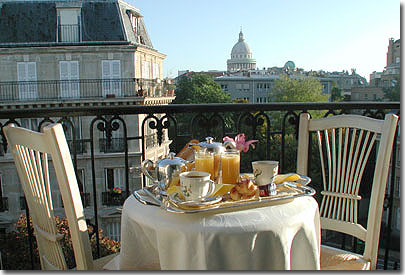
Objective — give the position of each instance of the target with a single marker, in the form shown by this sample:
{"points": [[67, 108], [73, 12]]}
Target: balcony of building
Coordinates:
{"points": [[274, 124], [80, 90]]}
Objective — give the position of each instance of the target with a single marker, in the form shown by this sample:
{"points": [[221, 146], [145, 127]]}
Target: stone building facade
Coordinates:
{"points": [[80, 53]]}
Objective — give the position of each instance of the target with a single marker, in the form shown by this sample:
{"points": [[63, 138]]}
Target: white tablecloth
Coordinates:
{"points": [[277, 237]]}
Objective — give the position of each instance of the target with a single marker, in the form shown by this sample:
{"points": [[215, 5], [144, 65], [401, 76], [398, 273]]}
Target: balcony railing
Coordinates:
{"points": [[4, 204], [112, 199], [274, 124], [113, 145], [69, 33], [79, 146], [62, 90]]}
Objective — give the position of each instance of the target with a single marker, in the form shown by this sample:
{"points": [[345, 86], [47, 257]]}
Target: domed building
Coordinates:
{"points": [[241, 56]]}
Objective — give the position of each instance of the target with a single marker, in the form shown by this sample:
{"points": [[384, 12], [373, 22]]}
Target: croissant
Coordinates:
{"points": [[187, 153], [244, 189]]}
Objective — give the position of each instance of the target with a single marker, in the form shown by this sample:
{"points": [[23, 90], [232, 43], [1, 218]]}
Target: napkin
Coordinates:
{"points": [[220, 190], [280, 178]]}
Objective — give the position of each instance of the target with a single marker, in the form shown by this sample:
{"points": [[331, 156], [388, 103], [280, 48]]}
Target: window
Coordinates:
{"points": [[246, 87], [81, 180], [31, 124], [69, 76], [134, 23], [111, 73], [27, 78], [114, 178], [68, 25], [1, 187], [114, 231], [238, 86], [155, 70], [145, 69]]}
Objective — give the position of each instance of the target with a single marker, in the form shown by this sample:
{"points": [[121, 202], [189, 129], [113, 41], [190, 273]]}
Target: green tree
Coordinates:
{"points": [[393, 93], [198, 89], [287, 89], [336, 94]]}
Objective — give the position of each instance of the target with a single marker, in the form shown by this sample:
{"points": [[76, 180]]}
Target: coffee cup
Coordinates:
{"points": [[196, 185], [265, 171]]}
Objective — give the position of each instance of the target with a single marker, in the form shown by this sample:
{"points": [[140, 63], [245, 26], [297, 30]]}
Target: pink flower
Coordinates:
{"points": [[240, 142]]}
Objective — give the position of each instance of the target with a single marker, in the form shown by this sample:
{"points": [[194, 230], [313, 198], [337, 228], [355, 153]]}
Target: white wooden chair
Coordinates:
{"points": [[345, 142], [30, 151]]}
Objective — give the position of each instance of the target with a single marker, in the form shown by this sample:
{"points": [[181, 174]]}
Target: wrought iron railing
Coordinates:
{"points": [[3, 204], [274, 124], [112, 199], [113, 145], [69, 33], [66, 90]]}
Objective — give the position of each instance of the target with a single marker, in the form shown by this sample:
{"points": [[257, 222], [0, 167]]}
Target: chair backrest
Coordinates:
{"points": [[30, 152], [345, 143]]}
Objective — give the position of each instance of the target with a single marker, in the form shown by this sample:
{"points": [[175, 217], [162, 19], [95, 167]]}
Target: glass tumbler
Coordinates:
{"points": [[204, 162], [230, 166]]}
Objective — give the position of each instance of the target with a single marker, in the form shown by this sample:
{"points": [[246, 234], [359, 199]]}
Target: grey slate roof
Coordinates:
{"points": [[36, 22], [27, 22]]}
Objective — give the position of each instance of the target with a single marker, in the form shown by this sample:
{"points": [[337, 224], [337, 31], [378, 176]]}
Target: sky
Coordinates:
{"points": [[198, 35]]}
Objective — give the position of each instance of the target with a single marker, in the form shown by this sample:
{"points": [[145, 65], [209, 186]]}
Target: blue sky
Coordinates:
{"points": [[198, 35]]}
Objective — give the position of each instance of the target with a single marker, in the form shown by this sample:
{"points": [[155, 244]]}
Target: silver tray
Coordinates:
{"points": [[150, 196]]}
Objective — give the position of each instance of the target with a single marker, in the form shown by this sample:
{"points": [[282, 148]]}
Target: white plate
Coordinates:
{"points": [[208, 201]]}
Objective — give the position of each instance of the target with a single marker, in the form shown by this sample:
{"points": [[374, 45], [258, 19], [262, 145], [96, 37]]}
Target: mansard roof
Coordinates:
{"points": [[27, 23]]}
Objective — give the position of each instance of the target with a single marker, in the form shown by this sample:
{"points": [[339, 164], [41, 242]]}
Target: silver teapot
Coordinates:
{"points": [[162, 172], [215, 147]]}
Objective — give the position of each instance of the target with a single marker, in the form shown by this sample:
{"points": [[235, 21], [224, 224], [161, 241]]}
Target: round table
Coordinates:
{"points": [[277, 237]]}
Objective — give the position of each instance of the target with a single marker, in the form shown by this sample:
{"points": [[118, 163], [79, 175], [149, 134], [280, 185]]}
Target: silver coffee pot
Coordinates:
{"points": [[162, 172], [215, 147]]}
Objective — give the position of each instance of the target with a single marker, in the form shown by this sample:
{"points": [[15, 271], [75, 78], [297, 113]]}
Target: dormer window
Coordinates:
{"points": [[134, 23], [69, 25]]}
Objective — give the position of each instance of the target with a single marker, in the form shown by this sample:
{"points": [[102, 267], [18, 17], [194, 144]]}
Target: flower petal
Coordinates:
{"points": [[228, 138]]}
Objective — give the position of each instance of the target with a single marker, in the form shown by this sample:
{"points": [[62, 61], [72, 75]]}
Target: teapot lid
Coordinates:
{"points": [[172, 160], [209, 143]]}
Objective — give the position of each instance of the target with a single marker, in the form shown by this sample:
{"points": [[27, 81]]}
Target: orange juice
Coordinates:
{"points": [[217, 159], [230, 167], [205, 162]]}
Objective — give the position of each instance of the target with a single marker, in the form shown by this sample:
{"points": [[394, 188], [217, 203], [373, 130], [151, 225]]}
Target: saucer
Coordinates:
{"points": [[204, 202]]}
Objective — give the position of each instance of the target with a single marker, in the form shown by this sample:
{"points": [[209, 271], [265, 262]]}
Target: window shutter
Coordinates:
{"points": [[106, 75], [74, 77], [64, 77], [116, 75], [21, 71], [32, 71]]}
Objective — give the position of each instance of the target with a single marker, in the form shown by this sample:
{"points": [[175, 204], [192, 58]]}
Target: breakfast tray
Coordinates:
{"points": [[286, 192]]}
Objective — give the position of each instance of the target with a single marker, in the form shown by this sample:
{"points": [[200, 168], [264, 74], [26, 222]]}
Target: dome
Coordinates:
{"points": [[241, 49], [241, 56], [290, 65]]}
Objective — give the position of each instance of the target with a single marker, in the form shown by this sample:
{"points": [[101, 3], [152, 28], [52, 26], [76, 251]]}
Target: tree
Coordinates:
{"points": [[393, 93], [336, 94], [287, 89], [198, 89]]}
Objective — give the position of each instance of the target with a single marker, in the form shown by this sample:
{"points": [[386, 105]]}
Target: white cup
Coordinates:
{"points": [[196, 185], [265, 171]]}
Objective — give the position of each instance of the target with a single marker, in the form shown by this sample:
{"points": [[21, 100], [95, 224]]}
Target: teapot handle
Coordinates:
{"points": [[146, 163]]}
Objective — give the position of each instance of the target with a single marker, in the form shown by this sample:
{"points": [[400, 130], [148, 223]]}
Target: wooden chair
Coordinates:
{"points": [[30, 152], [345, 143]]}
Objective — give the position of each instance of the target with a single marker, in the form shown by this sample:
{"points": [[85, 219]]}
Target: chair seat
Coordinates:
{"points": [[338, 259]]}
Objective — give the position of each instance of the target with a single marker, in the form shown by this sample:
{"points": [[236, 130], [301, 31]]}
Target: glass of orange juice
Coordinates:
{"points": [[204, 162], [230, 166]]}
